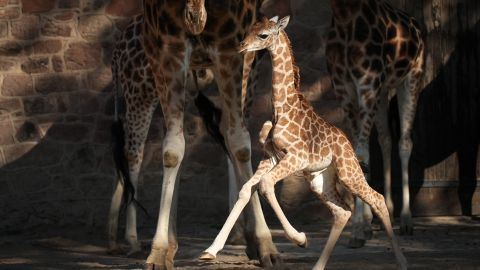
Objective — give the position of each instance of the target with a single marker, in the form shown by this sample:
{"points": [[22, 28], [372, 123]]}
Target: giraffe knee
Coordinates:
{"points": [[170, 159], [243, 155], [266, 187]]}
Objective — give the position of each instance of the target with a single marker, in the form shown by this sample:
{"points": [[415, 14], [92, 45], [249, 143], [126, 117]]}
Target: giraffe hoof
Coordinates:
{"points": [[406, 230], [271, 260], [406, 224], [207, 256], [134, 250], [304, 244], [356, 243]]}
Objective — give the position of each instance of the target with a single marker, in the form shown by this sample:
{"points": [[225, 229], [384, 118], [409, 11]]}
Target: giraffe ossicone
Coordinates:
{"points": [[297, 139]]}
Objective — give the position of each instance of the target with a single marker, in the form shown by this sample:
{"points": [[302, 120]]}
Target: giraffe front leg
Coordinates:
{"points": [[170, 80], [228, 71], [283, 169], [243, 198]]}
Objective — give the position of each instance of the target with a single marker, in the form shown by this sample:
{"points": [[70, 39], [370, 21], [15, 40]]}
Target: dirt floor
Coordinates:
{"points": [[438, 243]]}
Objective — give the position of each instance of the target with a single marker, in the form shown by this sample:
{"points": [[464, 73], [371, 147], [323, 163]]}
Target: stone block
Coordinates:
{"points": [[57, 63], [94, 186], [15, 152], [82, 160], [103, 130], [65, 16], [35, 65], [7, 133], [69, 4], [92, 5], [72, 133], [82, 55], [54, 83], [126, 8], [9, 13], [52, 28], [100, 81], [95, 27], [83, 103], [6, 65], [13, 48], [17, 85], [39, 105], [3, 29], [3, 3], [29, 180], [37, 6], [26, 28], [47, 46], [10, 106]]}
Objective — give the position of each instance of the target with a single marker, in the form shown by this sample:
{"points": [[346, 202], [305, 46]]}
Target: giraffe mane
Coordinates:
{"points": [[296, 70]]}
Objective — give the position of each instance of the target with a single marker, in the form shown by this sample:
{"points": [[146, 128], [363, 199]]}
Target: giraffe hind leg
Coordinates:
{"points": [[385, 141], [324, 187], [359, 187], [407, 102]]}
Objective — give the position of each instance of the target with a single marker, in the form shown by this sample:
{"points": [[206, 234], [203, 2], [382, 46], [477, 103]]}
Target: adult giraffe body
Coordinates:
{"points": [[375, 50], [173, 44]]}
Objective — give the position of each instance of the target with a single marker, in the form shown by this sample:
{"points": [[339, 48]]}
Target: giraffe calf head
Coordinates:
{"points": [[195, 16], [263, 34]]}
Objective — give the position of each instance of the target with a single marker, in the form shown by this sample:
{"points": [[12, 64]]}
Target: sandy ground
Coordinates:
{"points": [[438, 243]]}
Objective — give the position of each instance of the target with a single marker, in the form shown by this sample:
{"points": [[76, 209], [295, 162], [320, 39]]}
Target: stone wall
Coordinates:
{"points": [[56, 111]]}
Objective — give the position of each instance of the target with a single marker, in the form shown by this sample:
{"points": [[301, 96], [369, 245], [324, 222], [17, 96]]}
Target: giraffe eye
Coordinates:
{"points": [[263, 36]]}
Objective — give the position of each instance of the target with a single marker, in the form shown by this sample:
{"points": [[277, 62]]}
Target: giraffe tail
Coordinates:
{"points": [[211, 116], [120, 160]]}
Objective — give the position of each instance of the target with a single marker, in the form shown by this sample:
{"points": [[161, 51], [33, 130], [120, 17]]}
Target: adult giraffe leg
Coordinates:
{"points": [[170, 72], [249, 81], [385, 141], [136, 124], [362, 216], [113, 216], [228, 73], [407, 103], [135, 135]]}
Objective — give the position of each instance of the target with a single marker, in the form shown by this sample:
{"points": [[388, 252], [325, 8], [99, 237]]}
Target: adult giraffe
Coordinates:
{"points": [[176, 39], [375, 50]]}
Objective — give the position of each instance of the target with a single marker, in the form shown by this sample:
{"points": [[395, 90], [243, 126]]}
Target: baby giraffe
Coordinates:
{"points": [[300, 140]]}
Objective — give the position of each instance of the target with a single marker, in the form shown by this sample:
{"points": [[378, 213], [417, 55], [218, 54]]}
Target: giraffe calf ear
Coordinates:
{"points": [[283, 23], [274, 19]]}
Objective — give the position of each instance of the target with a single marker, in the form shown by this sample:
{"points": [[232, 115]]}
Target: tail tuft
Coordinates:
{"points": [[211, 116], [121, 164]]}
